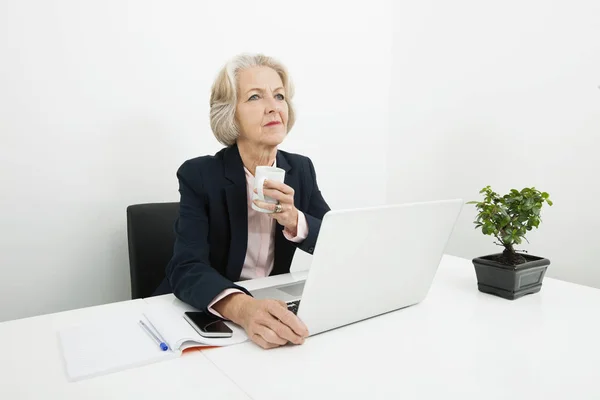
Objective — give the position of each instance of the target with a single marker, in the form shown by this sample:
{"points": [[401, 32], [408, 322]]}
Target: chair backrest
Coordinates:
{"points": [[150, 236]]}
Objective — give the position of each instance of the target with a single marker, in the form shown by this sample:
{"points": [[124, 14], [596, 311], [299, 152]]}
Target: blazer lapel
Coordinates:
{"points": [[237, 207], [283, 249]]}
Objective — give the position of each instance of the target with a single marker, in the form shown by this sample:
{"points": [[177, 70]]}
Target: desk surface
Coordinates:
{"points": [[31, 366], [457, 344]]}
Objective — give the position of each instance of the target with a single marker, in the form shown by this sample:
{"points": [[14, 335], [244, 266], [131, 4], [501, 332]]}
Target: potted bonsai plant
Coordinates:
{"points": [[510, 274]]}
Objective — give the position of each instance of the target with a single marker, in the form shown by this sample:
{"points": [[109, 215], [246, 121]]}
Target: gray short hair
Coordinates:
{"points": [[223, 97]]}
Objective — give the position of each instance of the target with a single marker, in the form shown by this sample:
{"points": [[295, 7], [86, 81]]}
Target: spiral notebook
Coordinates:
{"points": [[107, 345]]}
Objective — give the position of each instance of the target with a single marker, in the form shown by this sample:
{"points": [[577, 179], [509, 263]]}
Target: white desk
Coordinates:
{"points": [[457, 344], [31, 366]]}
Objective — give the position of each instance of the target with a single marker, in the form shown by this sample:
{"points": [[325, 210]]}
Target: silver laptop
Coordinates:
{"points": [[368, 262]]}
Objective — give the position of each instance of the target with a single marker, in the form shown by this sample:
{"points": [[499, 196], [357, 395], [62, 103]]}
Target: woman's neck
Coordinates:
{"points": [[254, 156]]}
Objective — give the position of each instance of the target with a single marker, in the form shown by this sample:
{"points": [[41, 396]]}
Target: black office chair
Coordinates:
{"points": [[150, 237]]}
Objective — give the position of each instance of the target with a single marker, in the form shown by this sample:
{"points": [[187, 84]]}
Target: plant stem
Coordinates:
{"points": [[509, 248], [500, 240]]}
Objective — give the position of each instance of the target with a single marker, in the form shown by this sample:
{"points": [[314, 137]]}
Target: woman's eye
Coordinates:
{"points": [[280, 96], [253, 97]]}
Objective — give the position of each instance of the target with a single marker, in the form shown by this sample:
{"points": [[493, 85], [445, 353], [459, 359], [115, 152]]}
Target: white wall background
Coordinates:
{"points": [[505, 94], [101, 101]]}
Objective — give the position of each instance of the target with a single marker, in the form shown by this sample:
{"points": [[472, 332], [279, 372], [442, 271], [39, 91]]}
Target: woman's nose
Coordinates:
{"points": [[272, 106]]}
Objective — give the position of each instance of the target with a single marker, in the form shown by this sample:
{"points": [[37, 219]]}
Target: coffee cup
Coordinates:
{"points": [[262, 174]]}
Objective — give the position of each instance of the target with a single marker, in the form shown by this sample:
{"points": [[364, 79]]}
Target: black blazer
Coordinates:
{"points": [[211, 232]]}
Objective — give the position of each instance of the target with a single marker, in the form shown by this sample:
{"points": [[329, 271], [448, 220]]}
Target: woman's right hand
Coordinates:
{"points": [[268, 323]]}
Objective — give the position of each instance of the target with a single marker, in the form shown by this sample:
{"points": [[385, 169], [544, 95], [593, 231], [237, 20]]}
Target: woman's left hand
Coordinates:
{"points": [[288, 216]]}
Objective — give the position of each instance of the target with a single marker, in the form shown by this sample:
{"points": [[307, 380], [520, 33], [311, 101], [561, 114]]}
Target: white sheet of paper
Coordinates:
{"points": [[107, 345]]}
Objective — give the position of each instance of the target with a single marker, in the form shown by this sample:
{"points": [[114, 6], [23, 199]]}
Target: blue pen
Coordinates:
{"points": [[163, 346]]}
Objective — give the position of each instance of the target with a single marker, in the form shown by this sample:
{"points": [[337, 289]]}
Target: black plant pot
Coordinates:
{"points": [[510, 281]]}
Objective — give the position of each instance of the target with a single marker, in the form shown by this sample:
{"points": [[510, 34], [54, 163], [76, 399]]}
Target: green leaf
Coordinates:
{"points": [[510, 216]]}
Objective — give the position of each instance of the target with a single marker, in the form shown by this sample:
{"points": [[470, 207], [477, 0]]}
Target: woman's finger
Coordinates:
{"points": [[282, 187], [289, 319], [284, 331], [279, 196], [269, 335], [256, 338], [270, 207], [265, 206]]}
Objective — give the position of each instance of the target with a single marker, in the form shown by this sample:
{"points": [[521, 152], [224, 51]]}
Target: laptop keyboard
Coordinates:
{"points": [[293, 306]]}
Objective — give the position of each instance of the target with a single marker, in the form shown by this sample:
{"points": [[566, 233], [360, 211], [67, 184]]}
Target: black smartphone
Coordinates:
{"points": [[207, 325]]}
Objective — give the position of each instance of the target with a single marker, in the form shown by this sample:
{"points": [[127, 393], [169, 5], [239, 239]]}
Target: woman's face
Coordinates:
{"points": [[262, 110]]}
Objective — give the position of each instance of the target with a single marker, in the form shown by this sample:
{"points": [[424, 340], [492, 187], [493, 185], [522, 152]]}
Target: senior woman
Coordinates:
{"points": [[220, 238]]}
